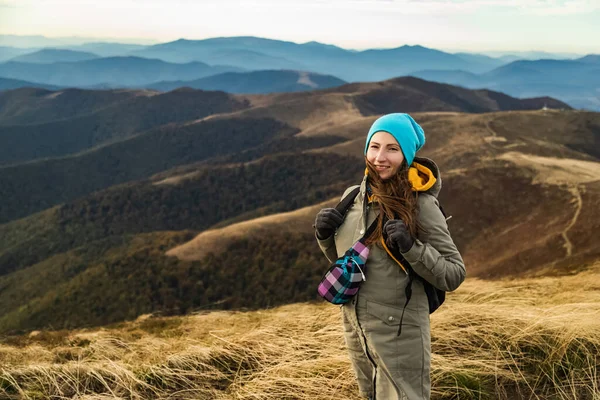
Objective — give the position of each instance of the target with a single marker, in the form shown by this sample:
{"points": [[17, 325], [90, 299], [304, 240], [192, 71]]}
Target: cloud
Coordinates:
{"points": [[537, 7], [8, 4], [421, 7]]}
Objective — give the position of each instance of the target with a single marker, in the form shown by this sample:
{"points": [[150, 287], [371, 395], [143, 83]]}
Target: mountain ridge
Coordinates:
{"points": [[48, 56], [118, 70], [264, 81], [575, 82], [576, 85]]}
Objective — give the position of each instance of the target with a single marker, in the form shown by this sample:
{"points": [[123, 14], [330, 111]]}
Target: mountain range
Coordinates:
{"points": [[368, 65], [118, 203], [188, 62], [115, 71], [49, 56], [576, 82], [8, 84], [269, 81]]}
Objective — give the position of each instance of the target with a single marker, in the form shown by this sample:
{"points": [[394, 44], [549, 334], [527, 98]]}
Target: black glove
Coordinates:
{"points": [[398, 236], [327, 221]]}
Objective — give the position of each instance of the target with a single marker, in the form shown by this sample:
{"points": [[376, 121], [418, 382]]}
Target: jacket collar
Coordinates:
{"points": [[423, 173]]}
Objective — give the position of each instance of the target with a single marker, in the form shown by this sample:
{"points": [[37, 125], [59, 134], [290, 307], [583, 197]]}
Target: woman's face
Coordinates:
{"points": [[385, 154]]}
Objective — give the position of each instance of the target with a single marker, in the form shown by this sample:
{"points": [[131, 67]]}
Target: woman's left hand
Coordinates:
{"points": [[398, 236]]}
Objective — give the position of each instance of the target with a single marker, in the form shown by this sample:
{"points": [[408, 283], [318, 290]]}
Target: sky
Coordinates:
{"points": [[571, 26]]}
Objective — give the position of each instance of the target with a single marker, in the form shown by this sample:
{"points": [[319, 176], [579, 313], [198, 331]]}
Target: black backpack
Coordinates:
{"points": [[435, 296]]}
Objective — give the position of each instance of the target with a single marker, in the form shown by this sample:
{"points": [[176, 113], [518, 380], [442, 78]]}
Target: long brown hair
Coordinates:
{"points": [[396, 200]]}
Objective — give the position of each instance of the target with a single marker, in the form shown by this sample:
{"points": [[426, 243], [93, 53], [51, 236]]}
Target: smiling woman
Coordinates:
{"points": [[411, 260]]}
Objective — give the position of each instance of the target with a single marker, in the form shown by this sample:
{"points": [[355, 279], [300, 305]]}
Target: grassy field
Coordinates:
{"points": [[537, 338]]}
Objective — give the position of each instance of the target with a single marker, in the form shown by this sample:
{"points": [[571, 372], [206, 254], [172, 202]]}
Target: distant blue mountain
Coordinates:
{"points": [[458, 77], [530, 55], [487, 63], [256, 82], [576, 82], [368, 65], [49, 56], [106, 49], [216, 52], [590, 58], [184, 62], [7, 52], [111, 71], [9, 84], [543, 71]]}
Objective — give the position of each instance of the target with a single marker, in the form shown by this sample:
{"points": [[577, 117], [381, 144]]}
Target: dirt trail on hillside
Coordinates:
{"points": [[568, 245]]}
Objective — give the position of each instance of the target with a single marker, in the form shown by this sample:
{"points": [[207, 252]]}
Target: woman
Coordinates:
{"points": [[387, 337]]}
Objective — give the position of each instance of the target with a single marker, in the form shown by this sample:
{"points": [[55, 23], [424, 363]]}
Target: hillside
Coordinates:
{"points": [[175, 204], [38, 106], [98, 119], [228, 215], [88, 246], [66, 161], [534, 338], [10, 84], [187, 213], [493, 227], [217, 240], [407, 93], [38, 185]]}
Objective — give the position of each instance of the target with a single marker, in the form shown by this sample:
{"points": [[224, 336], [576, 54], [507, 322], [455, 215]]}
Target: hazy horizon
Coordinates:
{"points": [[553, 26], [77, 40]]}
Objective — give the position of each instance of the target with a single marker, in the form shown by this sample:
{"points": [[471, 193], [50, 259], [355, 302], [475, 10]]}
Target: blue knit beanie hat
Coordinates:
{"points": [[404, 129]]}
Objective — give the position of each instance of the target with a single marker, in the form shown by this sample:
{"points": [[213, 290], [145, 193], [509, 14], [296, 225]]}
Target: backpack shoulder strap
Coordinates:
{"points": [[344, 205]]}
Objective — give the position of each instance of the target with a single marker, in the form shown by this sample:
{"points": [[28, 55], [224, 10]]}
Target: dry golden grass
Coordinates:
{"points": [[537, 338], [556, 171]]}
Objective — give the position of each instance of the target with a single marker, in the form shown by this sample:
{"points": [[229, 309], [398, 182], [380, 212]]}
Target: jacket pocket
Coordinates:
{"points": [[404, 352], [391, 315]]}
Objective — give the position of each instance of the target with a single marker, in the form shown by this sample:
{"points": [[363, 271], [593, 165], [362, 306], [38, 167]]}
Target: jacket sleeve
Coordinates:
{"points": [[328, 248], [327, 245], [438, 260]]}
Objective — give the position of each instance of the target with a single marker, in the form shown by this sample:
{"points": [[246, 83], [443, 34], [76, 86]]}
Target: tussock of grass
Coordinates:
{"points": [[534, 339]]}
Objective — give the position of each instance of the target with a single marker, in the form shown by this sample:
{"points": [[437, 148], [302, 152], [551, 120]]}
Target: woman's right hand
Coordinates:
{"points": [[327, 221]]}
